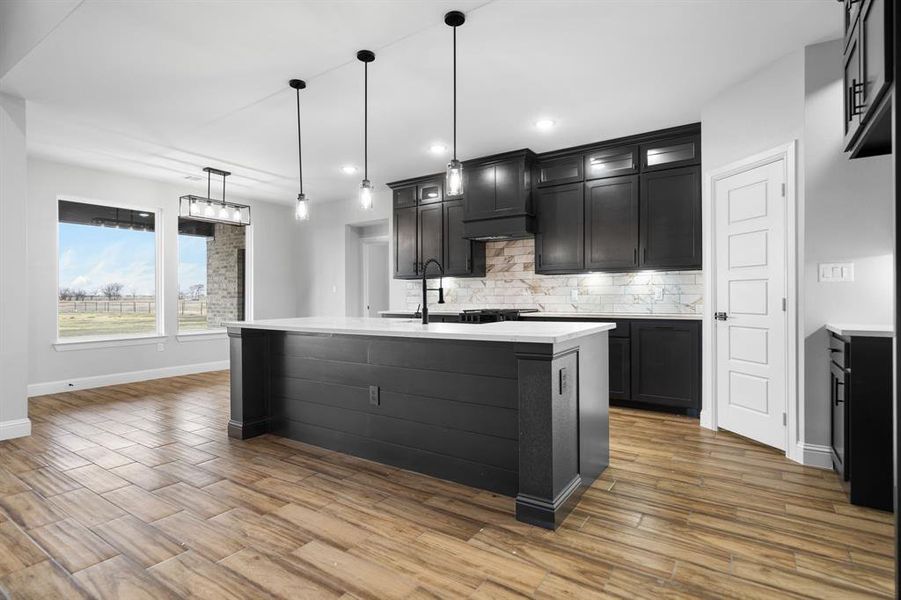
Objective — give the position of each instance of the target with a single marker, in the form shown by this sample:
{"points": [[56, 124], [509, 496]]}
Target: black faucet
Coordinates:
{"points": [[425, 288]]}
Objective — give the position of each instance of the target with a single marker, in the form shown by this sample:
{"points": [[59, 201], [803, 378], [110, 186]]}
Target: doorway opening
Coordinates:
{"points": [[367, 267]]}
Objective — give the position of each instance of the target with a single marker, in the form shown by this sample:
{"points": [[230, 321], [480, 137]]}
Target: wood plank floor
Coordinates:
{"points": [[135, 491]]}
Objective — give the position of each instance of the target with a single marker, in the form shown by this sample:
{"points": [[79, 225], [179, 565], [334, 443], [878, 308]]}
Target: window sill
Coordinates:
{"points": [[106, 342], [202, 336]]}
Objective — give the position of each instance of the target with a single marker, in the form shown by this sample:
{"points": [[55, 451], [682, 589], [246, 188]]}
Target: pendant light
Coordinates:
{"points": [[366, 57], [454, 184], [302, 208]]}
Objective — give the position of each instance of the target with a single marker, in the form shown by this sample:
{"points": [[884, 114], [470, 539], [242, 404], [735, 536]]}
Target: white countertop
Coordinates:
{"points": [[566, 315], [851, 329], [540, 332]]}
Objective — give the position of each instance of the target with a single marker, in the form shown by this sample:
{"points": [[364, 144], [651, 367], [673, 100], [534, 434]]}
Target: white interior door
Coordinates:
{"points": [[751, 324], [375, 278]]}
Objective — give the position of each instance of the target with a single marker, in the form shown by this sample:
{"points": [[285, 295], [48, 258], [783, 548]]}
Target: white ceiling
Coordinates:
{"points": [[162, 89]]}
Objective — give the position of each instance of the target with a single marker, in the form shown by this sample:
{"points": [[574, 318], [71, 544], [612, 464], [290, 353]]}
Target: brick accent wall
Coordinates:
{"points": [[511, 282], [225, 275]]}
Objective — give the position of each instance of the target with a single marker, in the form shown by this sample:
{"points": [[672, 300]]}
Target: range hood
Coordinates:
{"points": [[515, 227], [497, 197]]}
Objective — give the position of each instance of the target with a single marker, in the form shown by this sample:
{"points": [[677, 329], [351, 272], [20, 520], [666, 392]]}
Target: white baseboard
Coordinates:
{"points": [[815, 455], [83, 383], [15, 429], [706, 419]]}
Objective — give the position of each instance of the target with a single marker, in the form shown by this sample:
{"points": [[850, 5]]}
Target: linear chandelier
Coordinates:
{"points": [[210, 210]]}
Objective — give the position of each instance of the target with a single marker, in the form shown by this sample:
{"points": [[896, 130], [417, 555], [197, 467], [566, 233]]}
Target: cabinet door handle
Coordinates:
{"points": [[539, 259], [635, 256], [644, 255], [854, 91], [468, 263]]}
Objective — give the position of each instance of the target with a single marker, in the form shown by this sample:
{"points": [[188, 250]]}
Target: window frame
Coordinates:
{"points": [[99, 341]]}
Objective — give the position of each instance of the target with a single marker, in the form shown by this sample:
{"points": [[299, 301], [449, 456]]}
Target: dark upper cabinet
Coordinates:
{"points": [[462, 257], [431, 191], [852, 9], [431, 233], [670, 153], [853, 89], [620, 369], [611, 162], [496, 189], [666, 364], [405, 242], [670, 219], [876, 59], [559, 244], [611, 223], [868, 65], [405, 196], [555, 171], [479, 184]]}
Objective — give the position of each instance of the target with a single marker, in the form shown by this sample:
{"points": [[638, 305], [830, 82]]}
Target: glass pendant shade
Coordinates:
{"points": [[366, 195], [454, 184], [302, 208]]}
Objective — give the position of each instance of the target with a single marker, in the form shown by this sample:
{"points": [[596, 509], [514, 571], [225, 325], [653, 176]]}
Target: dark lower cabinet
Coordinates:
{"points": [[405, 243], [654, 364], [559, 240], [431, 234], [611, 223], [620, 369], [666, 364], [861, 407], [671, 219]]}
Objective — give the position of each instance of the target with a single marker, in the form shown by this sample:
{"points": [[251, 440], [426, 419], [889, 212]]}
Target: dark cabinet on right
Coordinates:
{"points": [[653, 363], [861, 378], [868, 64], [611, 223], [639, 206], [666, 364], [671, 218]]}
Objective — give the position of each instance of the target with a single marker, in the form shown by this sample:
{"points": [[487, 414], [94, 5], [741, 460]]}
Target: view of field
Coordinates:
{"points": [[126, 317]]}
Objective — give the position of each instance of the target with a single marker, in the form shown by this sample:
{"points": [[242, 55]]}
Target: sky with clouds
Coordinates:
{"points": [[91, 256]]}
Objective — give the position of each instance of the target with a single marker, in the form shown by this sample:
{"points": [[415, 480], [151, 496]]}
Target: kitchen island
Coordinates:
{"points": [[518, 408]]}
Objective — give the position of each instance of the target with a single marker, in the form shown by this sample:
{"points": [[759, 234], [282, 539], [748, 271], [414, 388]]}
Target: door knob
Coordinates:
{"points": [[720, 316]]}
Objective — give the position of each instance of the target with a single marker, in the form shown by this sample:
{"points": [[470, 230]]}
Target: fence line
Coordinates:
{"points": [[190, 307]]}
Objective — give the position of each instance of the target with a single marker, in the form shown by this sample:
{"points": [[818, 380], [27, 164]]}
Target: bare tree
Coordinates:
{"points": [[112, 291], [65, 294], [79, 294], [196, 291]]}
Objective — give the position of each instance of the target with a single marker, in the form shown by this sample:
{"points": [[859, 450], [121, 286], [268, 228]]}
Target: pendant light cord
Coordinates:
{"points": [[365, 120], [299, 155], [455, 93]]}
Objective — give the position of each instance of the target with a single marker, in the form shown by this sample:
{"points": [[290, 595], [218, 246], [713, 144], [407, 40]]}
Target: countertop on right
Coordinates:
{"points": [[857, 329]]}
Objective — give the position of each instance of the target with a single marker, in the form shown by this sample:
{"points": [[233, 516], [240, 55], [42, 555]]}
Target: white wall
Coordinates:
{"points": [[324, 281], [843, 206], [848, 217], [273, 277], [14, 275]]}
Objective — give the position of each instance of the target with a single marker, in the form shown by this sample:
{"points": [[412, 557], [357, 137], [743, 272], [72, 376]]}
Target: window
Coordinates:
{"points": [[107, 271], [210, 275]]}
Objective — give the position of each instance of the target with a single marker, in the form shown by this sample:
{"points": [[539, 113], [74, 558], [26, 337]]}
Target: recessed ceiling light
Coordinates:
{"points": [[349, 169], [437, 148], [544, 124]]}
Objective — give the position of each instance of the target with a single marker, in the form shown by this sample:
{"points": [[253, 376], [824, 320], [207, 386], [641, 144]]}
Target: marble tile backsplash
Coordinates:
{"points": [[511, 282]]}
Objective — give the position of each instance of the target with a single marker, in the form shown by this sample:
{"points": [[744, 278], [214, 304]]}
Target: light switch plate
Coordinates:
{"points": [[374, 398], [835, 272]]}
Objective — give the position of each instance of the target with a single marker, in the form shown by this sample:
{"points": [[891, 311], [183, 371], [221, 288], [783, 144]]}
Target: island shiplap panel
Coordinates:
{"points": [[511, 282]]}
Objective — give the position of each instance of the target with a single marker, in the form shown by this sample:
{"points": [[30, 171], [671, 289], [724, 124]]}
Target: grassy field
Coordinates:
{"points": [[84, 324]]}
